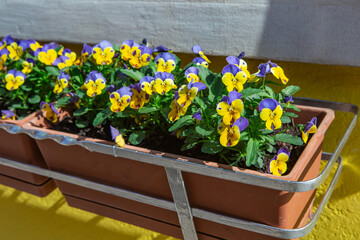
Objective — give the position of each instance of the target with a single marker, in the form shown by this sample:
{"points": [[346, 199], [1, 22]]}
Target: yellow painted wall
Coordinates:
{"points": [[23, 216]]}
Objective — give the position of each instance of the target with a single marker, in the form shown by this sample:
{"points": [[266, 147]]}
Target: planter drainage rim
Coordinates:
{"points": [[174, 167]]}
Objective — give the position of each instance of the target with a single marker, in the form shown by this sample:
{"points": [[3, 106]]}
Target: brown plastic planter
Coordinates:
{"points": [[22, 148], [277, 208]]}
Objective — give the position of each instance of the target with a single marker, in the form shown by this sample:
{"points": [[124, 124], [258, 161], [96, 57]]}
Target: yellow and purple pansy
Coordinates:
{"points": [[103, 53], [51, 113], [271, 112], [198, 50], [62, 82], [16, 49], [188, 92], [288, 100], [230, 134], [4, 53], [276, 70], [147, 84], [230, 107], [33, 45], [6, 41], [233, 78], [164, 82], [176, 110], [28, 65], [127, 49], [71, 55], [200, 61], [160, 49], [278, 164], [192, 74], [141, 57], [139, 97], [120, 99], [74, 98], [47, 54], [165, 62], [239, 62], [63, 62], [310, 127], [85, 53], [94, 83], [14, 79], [7, 115], [117, 137]]}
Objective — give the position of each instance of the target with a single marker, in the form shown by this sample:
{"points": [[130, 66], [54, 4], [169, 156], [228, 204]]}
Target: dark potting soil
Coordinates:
{"points": [[171, 144]]}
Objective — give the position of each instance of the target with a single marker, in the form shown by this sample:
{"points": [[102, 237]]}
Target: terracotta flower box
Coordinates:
{"points": [[22, 148], [258, 204]]}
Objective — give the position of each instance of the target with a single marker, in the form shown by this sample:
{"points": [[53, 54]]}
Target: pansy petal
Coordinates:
{"points": [[222, 108]]}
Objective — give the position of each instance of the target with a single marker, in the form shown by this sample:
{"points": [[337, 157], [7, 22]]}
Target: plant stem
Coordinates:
{"points": [[227, 161], [286, 129]]}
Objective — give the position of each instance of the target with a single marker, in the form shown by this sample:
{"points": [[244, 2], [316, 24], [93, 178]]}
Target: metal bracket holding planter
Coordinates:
{"points": [[174, 169]]}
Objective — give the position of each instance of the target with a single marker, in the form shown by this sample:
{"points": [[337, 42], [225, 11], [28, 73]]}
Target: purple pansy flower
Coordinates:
{"points": [[197, 116], [7, 115], [230, 107], [310, 127], [117, 137], [278, 164], [271, 112]]}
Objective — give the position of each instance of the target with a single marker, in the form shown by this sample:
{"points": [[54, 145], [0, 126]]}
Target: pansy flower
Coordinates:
{"points": [[127, 49], [176, 111], [16, 49], [63, 62], [74, 98], [94, 83], [117, 137], [111, 88], [147, 84], [197, 116], [47, 54], [310, 127], [239, 62], [164, 82], [276, 70], [230, 134], [7, 115], [233, 78], [120, 99], [62, 82], [85, 53], [271, 112], [7, 40], [51, 113], [33, 45], [198, 49], [4, 53], [71, 55], [141, 57], [14, 79], [165, 62], [139, 97], [103, 53], [28, 65], [230, 107], [201, 61], [187, 93], [288, 100], [192, 74], [278, 164]]}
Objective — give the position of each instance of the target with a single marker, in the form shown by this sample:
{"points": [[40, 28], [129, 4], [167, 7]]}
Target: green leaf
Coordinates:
{"points": [[147, 110], [183, 121], [81, 123], [123, 114], [251, 152], [270, 91], [211, 147], [116, 47], [101, 116], [137, 75], [202, 131], [285, 119], [247, 92], [189, 143], [287, 138], [260, 162], [204, 73], [81, 111], [52, 71], [216, 88], [34, 99], [26, 88], [153, 66], [291, 106], [136, 137], [290, 114], [290, 90], [62, 101]]}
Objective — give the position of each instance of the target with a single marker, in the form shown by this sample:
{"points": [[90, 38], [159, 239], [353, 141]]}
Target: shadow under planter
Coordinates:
{"points": [[22, 148], [263, 205]]}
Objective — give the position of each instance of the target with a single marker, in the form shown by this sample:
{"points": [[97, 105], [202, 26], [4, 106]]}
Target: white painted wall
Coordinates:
{"points": [[318, 31]]}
